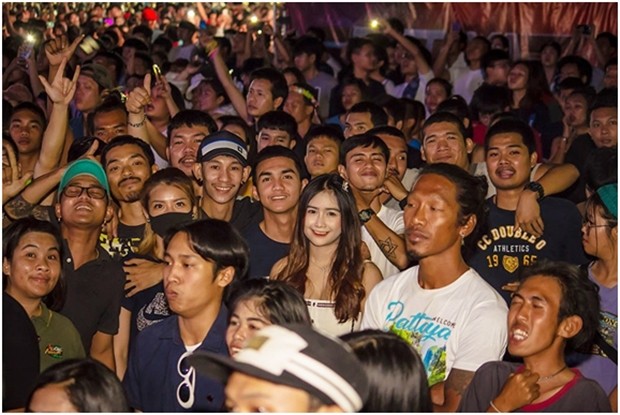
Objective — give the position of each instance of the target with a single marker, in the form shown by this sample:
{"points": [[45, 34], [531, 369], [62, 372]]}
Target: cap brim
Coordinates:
{"points": [[224, 152], [219, 367]]}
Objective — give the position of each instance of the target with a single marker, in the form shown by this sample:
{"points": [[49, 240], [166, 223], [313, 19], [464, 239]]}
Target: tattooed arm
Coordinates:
{"points": [[392, 245], [27, 202], [453, 389]]}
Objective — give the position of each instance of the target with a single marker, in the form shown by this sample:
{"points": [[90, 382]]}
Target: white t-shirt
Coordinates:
{"points": [[461, 326], [467, 83], [323, 318], [407, 181], [393, 219]]}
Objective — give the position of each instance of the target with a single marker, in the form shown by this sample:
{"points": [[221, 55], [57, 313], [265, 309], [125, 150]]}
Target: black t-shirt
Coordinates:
{"points": [[93, 295], [128, 240], [20, 354], [245, 212], [502, 250], [264, 252], [148, 306], [577, 155]]}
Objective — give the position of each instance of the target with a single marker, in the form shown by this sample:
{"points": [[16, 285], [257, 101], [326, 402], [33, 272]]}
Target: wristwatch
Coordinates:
{"points": [[536, 188], [365, 215]]}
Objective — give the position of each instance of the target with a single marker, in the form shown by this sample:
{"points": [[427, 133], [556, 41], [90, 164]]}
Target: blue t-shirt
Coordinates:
{"points": [[264, 252], [152, 378]]}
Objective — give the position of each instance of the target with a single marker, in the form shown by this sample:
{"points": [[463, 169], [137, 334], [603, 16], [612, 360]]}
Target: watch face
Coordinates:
{"points": [[365, 215]]}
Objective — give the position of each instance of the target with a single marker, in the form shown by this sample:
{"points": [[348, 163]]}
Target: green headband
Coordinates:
{"points": [[609, 196], [305, 93]]}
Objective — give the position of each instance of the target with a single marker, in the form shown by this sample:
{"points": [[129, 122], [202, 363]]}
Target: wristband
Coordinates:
{"points": [[402, 204], [138, 125], [213, 52], [536, 188], [494, 407]]}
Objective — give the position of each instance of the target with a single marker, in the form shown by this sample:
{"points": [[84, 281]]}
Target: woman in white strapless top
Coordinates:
{"points": [[325, 260]]}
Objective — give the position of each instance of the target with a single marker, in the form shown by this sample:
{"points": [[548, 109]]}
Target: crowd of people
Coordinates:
{"points": [[204, 212]]}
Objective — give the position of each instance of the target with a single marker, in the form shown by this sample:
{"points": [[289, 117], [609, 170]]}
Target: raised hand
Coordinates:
{"points": [[140, 97], [12, 180], [62, 89], [59, 48]]}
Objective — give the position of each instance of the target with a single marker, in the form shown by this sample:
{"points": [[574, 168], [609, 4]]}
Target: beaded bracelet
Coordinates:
{"points": [[138, 125]]}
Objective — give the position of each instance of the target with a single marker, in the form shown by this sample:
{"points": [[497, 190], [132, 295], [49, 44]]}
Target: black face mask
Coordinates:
{"points": [[163, 223]]}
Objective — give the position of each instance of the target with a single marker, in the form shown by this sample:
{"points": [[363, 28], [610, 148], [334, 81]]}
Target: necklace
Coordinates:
{"points": [[325, 269], [551, 376]]}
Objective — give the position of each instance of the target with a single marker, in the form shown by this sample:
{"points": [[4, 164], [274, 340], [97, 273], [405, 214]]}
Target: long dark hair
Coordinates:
{"points": [[14, 233], [345, 276], [396, 375]]}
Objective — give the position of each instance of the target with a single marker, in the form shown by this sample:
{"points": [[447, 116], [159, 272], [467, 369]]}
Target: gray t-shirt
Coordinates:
{"points": [[579, 395]]}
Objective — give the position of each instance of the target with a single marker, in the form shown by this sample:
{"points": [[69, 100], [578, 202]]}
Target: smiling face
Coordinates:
{"points": [[34, 269], [127, 169], [245, 320], [222, 178], [278, 185], [509, 162], [323, 220], [365, 168], [533, 326], [83, 211], [431, 218], [443, 142], [183, 147], [322, 156]]}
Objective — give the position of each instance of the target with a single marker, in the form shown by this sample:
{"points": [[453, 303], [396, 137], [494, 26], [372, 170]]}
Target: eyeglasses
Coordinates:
{"points": [[94, 192], [185, 390], [588, 224]]}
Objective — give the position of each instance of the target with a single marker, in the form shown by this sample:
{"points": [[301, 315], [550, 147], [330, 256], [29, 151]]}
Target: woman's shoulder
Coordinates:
{"points": [[278, 267]]}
